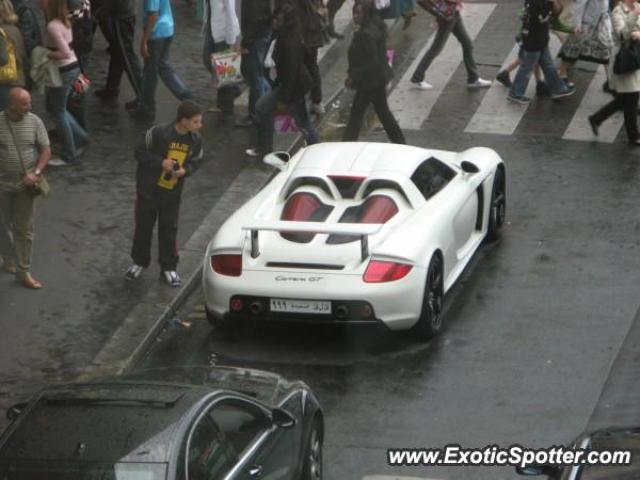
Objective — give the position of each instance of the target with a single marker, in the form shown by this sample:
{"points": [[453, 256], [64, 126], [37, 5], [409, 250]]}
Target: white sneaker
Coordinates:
{"points": [[252, 152], [421, 85], [172, 278], [133, 272], [317, 108], [56, 161], [479, 83]]}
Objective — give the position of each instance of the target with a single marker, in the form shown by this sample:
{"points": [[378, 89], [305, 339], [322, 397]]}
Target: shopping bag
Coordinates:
{"points": [[226, 65], [285, 123]]}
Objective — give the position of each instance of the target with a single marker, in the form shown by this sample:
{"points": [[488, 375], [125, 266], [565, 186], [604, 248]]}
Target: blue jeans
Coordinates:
{"points": [[157, 63], [253, 71], [265, 108], [71, 129], [529, 61]]}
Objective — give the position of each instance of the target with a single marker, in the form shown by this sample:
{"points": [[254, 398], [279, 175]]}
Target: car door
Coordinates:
{"points": [[209, 456], [264, 450]]}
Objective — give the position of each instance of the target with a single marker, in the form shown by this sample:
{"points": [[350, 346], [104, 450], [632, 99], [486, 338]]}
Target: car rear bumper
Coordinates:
{"points": [[396, 304]]}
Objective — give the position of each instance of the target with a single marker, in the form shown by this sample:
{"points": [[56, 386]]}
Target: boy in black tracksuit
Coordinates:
{"points": [[167, 153]]}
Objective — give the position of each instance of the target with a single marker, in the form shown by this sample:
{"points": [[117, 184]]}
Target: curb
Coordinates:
{"points": [[143, 324]]}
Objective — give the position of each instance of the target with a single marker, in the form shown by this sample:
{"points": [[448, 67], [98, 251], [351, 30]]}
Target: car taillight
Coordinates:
{"points": [[378, 271], [230, 265]]}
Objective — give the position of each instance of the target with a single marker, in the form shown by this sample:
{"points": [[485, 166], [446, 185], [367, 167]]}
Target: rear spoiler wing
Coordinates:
{"points": [[355, 229]]}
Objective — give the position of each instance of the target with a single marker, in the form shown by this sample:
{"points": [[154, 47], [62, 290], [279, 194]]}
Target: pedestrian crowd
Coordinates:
{"points": [[277, 44]]}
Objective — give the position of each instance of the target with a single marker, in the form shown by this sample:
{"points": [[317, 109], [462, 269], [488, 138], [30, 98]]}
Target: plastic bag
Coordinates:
{"points": [[226, 64], [285, 123]]}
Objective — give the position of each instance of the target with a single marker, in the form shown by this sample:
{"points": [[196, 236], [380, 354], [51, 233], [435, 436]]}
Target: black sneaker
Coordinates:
{"points": [[570, 91], [522, 100], [106, 94], [503, 78], [568, 82], [542, 89]]}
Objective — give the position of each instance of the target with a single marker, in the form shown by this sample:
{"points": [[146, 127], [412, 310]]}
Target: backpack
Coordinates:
{"points": [[9, 71]]}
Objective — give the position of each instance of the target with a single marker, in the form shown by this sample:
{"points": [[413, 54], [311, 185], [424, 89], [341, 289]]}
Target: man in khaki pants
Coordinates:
{"points": [[19, 171]]}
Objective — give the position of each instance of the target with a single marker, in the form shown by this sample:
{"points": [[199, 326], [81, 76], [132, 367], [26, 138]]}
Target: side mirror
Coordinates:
{"points": [[532, 470], [283, 419], [468, 167], [15, 410], [279, 160]]}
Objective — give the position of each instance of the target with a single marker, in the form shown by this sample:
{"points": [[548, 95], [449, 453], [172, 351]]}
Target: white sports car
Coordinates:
{"points": [[355, 232]]}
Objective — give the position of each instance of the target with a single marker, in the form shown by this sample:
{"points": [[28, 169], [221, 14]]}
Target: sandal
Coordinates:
{"points": [[28, 281]]}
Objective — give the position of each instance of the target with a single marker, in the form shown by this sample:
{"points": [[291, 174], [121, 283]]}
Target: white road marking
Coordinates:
{"points": [[496, 114], [594, 99], [412, 107]]}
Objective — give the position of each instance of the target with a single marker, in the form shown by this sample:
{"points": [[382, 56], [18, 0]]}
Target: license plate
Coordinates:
{"points": [[300, 306]]}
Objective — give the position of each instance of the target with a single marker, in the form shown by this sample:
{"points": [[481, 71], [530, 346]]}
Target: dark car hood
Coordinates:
{"points": [[267, 387]]}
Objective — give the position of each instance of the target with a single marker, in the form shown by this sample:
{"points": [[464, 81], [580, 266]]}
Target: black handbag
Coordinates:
{"points": [[628, 59]]}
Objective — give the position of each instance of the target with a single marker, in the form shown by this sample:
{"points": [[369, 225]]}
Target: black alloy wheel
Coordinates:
{"points": [[498, 207], [312, 468], [430, 322]]}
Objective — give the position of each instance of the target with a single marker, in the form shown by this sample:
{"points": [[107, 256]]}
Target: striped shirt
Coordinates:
{"points": [[31, 135]]}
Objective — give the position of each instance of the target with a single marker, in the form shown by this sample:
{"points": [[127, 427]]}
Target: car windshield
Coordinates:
{"points": [[73, 470]]}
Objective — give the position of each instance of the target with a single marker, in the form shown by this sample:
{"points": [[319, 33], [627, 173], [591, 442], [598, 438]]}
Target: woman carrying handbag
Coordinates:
{"points": [[625, 20]]}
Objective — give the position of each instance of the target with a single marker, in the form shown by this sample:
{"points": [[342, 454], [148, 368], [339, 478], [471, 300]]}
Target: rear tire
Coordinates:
{"points": [[498, 206], [430, 321], [312, 466]]}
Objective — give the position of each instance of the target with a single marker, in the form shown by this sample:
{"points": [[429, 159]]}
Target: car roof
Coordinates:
{"points": [[365, 158], [110, 422]]}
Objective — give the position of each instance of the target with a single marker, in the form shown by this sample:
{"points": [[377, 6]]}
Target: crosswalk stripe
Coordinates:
{"points": [[594, 98], [412, 107], [496, 114]]}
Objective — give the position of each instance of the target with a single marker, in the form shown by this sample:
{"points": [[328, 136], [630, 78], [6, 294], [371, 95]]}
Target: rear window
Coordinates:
{"points": [[347, 185], [303, 207], [431, 176], [375, 209]]}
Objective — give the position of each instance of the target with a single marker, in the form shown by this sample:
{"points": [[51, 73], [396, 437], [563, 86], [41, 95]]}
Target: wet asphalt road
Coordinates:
{"points": [[533, 325]]}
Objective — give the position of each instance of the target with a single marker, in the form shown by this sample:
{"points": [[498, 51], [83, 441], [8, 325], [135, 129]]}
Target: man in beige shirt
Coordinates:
{"points": [[19, 172]]}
